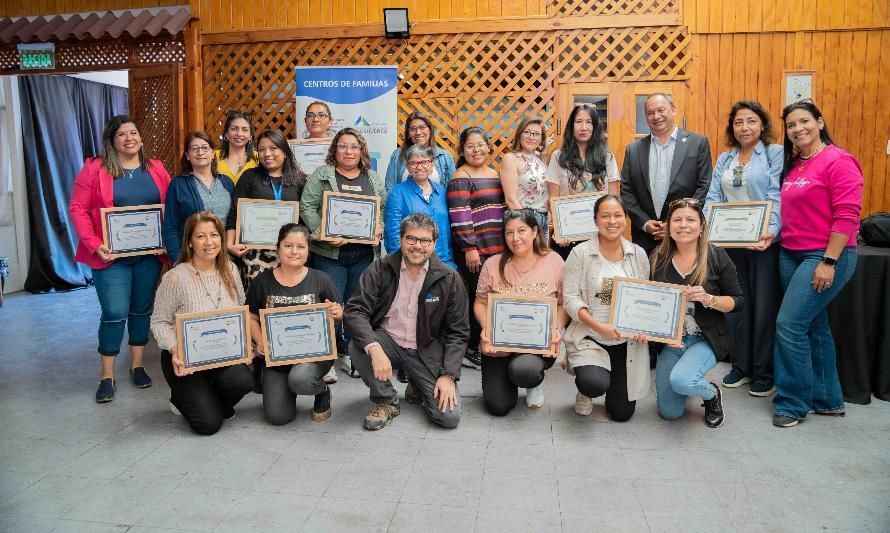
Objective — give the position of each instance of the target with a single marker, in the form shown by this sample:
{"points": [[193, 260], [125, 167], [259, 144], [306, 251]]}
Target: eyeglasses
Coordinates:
{"points": [[238, 114], [474, 147], [694, 203], [343, 147], [531, 134], [320, 116], [199, 148], [417, 129], [424, 241], [421, 163]]}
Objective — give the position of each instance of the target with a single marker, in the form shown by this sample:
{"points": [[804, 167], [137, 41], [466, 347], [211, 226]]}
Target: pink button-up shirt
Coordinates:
{"points": [[401, 319]]}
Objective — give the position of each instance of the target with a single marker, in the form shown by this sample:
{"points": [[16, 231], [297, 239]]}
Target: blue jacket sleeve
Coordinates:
{"points": [[715, 192], [392, 171], [445, 166], [775, 153], [172, 228], [395, 211]]}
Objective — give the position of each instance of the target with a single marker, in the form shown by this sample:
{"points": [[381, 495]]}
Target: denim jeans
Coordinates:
{"points": [[346, 271], [126, 291], [680, 372], [806, 361]]}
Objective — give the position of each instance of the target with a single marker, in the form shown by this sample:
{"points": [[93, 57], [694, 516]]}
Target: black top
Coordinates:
{"points": [[256, 184], [722, 281], [266, 293], [360, 185]]}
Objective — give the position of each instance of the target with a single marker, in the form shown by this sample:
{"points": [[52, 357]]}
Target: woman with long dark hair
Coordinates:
{"points": [[584, 163], [821, 204], [237, 154], [419, 130], [201, 187], [748, 172], [122, 176], [204, 280], [525, 267]]}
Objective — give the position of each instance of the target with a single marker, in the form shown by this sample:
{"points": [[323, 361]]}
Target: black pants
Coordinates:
{"points": [[471, 281], [594, 381], [563, 251], [207, 397], [282, 384], [503, 376], [754, 327]]}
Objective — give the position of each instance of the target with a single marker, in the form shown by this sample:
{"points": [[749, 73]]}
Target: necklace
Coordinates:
{"points": [[210, 297], [807, 158], [129, 172], [525, 270]]}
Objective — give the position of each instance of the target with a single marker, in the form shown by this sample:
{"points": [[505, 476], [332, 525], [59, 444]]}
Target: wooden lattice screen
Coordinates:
{"points": [[156, 104], [569, 8], [104, 55], [487, 79]]}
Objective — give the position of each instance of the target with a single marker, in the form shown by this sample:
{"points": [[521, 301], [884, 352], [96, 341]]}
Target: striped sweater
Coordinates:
{"points": [[476, 211]]}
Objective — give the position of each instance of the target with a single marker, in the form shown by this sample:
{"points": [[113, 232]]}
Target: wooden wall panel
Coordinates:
{"points": [[754, 16], [852, 73]]}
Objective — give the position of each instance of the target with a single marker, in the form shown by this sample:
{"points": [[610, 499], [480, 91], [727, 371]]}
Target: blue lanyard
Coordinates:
{"points": [[276, 192]]}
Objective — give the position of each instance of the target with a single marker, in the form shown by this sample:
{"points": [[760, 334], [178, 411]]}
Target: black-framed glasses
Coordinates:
{"points": [[423, 241], [320, 116], [239, 114]]}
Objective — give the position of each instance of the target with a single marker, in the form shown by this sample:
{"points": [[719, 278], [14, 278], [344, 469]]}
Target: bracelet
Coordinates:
{"points": [[712, 301]]}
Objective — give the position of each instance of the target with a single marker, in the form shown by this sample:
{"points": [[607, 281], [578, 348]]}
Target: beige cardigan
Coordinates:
{"points": [[579, 273]]}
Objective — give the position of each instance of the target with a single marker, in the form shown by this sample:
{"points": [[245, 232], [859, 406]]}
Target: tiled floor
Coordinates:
{"points": [[68, 464]]}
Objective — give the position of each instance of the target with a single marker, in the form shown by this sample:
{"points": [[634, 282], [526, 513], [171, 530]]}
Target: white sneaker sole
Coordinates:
{"points": [[739, 383]]}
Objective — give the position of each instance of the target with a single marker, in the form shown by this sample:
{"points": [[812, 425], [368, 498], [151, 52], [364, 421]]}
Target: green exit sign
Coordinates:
{"points": [[37, 56]]}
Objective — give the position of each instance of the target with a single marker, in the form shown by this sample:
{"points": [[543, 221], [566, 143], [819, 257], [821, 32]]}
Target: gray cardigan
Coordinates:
{"points": [[581, 268]]}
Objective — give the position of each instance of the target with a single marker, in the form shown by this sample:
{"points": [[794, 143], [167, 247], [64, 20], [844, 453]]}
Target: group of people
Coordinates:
{"points": [[455, 232]]}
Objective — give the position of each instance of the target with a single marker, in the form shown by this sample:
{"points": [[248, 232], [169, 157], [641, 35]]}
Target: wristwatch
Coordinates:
{"points": [[830, 261]]}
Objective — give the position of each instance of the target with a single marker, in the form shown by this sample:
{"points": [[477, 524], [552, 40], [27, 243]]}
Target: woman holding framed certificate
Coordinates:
{"points": [[292, 283], [419, 131], [821, 203], [476, 211], [237, 154], [522, 172], [201, 187], [602, 361], [687, 258], [205, 280], [526, 268], [584, 163], [347, 170], [749, 172], [122, 176]]}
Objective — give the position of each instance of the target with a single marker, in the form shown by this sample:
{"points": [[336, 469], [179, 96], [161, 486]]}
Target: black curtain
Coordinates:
{"points": [[62, 121]]}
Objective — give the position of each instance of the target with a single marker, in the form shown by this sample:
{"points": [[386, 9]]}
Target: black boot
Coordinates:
{"points": [[714, 409]]}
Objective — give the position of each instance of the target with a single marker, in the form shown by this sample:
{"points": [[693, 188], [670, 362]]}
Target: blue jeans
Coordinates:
{"points": [[346, 271], [680, 372], [806, 361], [126, 291]]}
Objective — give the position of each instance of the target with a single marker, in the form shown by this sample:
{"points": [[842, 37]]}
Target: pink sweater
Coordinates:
{"points": [[825, 197]]}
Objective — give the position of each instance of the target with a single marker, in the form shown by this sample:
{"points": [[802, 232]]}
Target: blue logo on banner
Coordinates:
{"points": [[345, 85]]}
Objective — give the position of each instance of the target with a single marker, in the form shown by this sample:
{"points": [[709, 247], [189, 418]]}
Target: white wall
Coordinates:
{"points": [[108, 77], [14, 238]]}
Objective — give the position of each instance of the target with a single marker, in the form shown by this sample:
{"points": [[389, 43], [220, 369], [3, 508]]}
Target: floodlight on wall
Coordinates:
{"points": [[395, 20]]}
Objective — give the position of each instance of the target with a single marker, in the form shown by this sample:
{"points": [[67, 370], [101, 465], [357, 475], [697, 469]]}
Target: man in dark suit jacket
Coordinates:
{"points": [[682, 169]]}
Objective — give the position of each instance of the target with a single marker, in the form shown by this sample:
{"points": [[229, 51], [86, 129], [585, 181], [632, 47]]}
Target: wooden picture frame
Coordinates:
{"points": [[273, 319], [531, 308], [228, 326], [626, 308], [147, 241], [332, 205], [798, 85], [582, 202], [743, 209], [278, 207]]}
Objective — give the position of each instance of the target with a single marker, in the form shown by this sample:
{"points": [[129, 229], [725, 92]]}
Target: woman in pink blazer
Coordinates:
{"points": [[121, 176]]}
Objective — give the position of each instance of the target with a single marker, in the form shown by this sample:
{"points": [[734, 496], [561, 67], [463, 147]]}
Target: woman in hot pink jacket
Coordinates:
{"points": [[121, 176], [821, 198]]}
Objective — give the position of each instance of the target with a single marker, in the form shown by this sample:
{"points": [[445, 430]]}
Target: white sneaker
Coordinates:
{"points": [[174, 410], [346, 366], [583, 405], [534, 398], [331, 376]]}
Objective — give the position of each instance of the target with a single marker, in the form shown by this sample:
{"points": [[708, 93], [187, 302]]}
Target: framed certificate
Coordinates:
{"points": [[212, 339], [258, 221], [737, 224], [352, 217], [310, 153], [650, 308], [134, 230], [573, 216], [521, 323], [298, 334]]}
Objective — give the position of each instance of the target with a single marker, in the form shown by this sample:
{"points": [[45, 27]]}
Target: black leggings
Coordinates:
{"points": [[502, 377], [594, 381], [207, 397]]}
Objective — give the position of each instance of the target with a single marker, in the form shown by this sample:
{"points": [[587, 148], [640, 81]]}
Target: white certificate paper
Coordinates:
{"points": [[646, 308], [349, 218], [519, 325], [738, 224], [298, 334], [310, 154], [213, 340], [130, 231], [261, 221], [573, 216]]}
